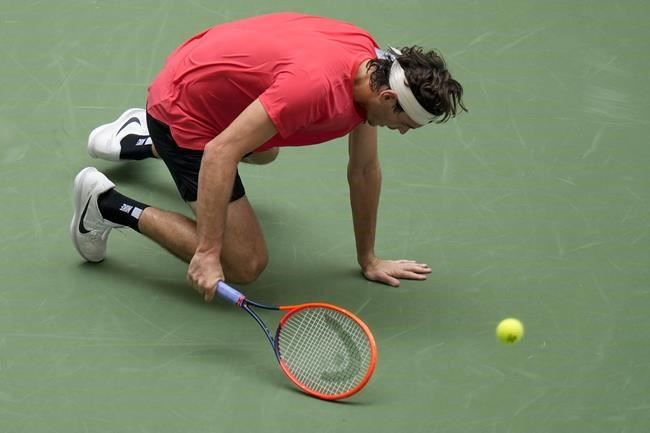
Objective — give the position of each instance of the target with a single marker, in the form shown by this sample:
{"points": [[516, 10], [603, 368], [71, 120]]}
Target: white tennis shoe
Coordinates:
{"points": [[104, 141], [88, 228]]}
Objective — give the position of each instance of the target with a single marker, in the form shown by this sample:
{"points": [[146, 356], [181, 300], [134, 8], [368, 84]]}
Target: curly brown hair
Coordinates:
{"points": [[428, 78]]}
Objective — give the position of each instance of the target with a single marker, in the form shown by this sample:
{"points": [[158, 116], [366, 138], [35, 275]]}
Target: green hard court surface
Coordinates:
{"points": [[535, 205]]}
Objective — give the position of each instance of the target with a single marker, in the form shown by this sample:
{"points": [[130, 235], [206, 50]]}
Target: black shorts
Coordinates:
{"points": [[183, 164]]}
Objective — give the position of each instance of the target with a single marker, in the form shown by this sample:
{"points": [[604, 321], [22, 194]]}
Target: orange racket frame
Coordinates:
{"points": [[234, 296]]}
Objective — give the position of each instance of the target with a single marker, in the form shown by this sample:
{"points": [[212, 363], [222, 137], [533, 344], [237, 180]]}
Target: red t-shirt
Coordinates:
{"points": [[301, 67]]}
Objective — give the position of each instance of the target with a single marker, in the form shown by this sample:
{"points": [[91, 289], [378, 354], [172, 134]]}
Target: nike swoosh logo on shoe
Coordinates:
{"points": [[130, 121], [83, 229]]}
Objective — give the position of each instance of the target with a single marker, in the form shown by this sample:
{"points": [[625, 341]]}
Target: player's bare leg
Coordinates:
{"points": [[244, 254], [261, 158], [99, 208]]}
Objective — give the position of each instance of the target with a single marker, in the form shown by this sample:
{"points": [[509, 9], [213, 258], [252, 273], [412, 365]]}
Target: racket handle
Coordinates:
{"points": [[229, 294]]}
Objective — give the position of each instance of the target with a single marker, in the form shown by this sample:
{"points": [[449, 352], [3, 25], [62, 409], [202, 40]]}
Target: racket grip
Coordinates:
{"points": [[229, 294]]}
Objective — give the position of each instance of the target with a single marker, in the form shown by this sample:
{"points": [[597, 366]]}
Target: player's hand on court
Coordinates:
{"points": [[204, 273], [392, 271]]}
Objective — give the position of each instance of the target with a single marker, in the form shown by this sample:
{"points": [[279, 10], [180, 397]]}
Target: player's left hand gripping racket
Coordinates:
{"points": [[325, 350]]}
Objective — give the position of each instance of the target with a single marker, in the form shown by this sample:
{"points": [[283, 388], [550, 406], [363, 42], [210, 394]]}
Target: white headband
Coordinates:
{"points": [[405, 96]]}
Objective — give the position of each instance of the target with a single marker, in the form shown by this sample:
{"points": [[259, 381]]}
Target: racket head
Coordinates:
{"points": [[325, 350]]}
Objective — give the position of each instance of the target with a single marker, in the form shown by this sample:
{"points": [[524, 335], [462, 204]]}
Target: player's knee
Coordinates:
{"points": [[262, 158], [272, 154], [252, 269]]}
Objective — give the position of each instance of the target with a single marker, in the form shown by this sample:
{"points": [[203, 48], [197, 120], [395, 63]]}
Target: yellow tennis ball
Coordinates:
{"points": [[510, 331]]}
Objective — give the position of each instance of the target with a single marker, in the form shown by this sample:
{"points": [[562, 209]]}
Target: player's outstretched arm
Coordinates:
{"points": [[364, 179]]}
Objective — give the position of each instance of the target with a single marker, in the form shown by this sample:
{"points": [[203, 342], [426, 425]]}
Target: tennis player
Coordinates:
{"points": [[240, 91]]}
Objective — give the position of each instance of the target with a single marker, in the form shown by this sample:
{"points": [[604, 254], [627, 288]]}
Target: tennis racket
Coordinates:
{"points": [[324, 350]]}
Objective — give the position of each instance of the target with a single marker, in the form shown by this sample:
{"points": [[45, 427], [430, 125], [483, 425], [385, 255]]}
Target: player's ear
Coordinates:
{"points": [[388, 96]]}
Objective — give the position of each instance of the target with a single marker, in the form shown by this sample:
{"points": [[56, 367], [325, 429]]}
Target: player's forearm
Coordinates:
{"points": [[365, 187], [215, 187]]}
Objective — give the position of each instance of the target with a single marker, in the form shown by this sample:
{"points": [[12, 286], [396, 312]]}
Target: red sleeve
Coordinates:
{"points": [[294, 100]]}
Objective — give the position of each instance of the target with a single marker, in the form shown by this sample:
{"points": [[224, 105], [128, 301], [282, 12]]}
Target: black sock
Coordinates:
{"points": [[120, 209], [136, 147]]}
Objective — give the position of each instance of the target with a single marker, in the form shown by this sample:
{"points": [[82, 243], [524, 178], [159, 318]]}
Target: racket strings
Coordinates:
{"points": [[325, 350]]}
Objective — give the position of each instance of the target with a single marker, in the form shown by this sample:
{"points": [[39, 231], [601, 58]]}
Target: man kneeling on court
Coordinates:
{"points": [[239, 91]]}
